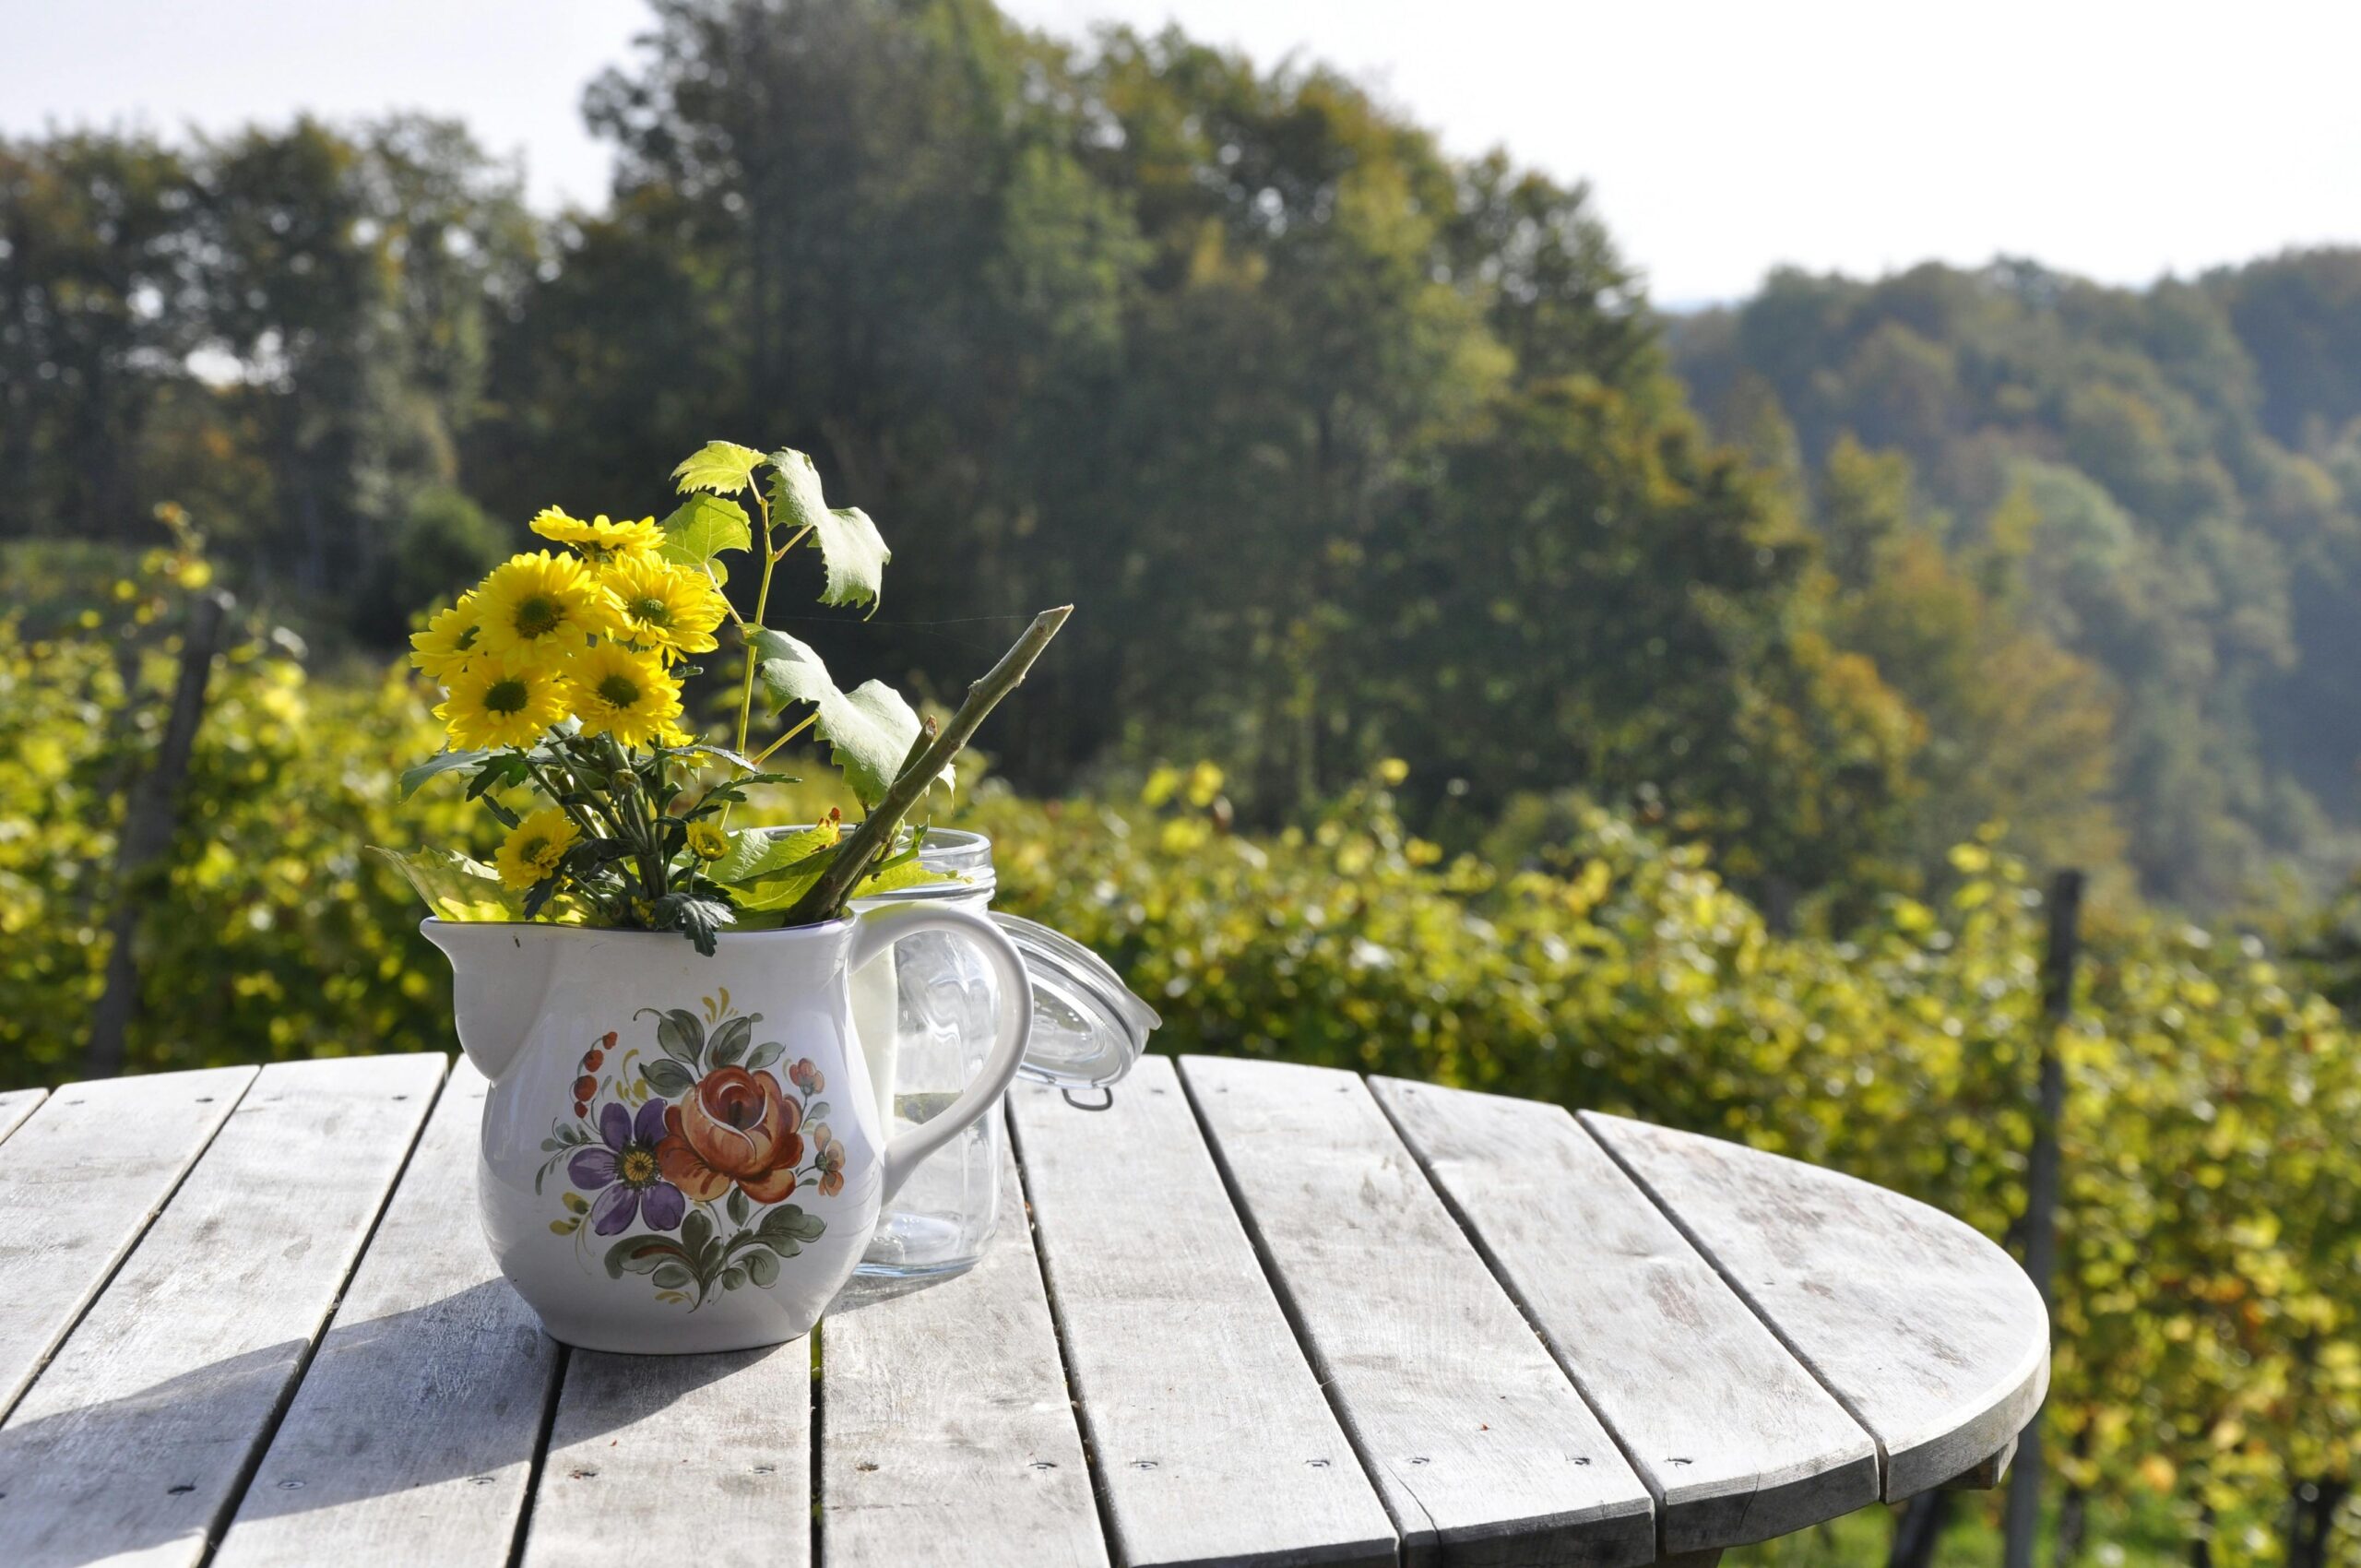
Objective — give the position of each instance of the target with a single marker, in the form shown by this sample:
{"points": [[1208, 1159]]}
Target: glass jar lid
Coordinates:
{"points": [[1087, 1027]]}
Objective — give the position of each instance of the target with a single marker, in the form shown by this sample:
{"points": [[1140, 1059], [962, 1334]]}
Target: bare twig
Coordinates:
{"points": [[875, 835]]}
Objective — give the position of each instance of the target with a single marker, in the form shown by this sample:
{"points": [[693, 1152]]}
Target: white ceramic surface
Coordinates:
{"points": [[683, 1153]]}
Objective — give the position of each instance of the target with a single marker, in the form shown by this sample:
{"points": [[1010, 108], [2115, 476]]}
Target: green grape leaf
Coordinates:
{"points": [[455, 886], [761, 853], [850, 547], [702, 527], [869, 730], [897, 874], [720, 466], [441, 763]]}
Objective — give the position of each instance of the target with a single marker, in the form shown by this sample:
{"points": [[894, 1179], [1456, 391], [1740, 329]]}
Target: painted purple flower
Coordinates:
{"points": [[625, 1173]]}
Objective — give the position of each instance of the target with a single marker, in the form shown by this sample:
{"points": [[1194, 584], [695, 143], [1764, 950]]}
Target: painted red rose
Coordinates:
{"points": [[734, 1126]]}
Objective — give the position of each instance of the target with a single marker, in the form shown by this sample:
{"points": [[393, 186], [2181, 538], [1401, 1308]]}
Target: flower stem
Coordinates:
{"points": [[763, 755]]}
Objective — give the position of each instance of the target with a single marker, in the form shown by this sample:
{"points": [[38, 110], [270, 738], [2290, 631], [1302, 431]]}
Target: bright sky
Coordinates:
{"points": [[1722, 136]]}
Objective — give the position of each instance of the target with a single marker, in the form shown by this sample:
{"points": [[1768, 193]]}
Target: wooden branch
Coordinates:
{"points": [[874, 838]]}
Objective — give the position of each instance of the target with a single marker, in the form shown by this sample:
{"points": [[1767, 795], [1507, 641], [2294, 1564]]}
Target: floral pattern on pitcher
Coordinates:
{"points": [[690, 1155]]}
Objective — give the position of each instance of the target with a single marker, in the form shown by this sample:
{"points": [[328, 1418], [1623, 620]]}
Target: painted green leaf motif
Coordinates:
{"points": [[817, 1111], [869, 730], [721, 465], [641, 1255], [733, 1277], [667, 1078], [441, 763], [761, 1268], [730, 1041], [672, 1277], [763, 1055], [696, 1230], [789, 1222], [680, 1037], [737, 1206], [850, 547], [455, 886], [702, 527]]}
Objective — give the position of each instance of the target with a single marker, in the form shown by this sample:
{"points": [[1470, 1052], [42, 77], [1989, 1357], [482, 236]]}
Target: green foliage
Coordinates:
{"points": [[2152, 483]]}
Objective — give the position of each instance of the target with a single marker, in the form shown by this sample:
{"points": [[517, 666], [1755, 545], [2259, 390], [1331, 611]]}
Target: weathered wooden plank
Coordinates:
{"points": [[679, 1459], [1481, 1449], [1212, 1439], [130, 1447], [1933, 1335], [412, 1437], [1737, 1440], [17, 1104], [79, 1180], [945, 1418]]}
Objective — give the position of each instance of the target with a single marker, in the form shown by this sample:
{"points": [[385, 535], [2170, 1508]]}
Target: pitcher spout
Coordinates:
{"points": [[500, 975]]}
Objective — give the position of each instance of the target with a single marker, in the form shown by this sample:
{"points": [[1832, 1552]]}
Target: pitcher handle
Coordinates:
{"points": [[879, 929]]}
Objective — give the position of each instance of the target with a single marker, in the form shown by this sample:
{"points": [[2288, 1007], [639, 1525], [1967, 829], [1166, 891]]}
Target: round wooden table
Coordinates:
{"points": [[1263, 1315]]}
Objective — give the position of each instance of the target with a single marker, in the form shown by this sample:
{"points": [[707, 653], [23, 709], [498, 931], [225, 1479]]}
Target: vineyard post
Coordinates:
{"points": [[147, 822], [2022, 1519]]}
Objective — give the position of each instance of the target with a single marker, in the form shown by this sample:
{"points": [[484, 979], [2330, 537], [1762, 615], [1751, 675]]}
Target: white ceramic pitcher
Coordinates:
{"points": [[683, 1153]]}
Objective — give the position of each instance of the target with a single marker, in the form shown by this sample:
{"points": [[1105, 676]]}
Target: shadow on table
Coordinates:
{"points": [[171, 1460]]}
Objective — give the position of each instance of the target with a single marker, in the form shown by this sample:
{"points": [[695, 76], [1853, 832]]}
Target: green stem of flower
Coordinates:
{"points": [[764, 754]]}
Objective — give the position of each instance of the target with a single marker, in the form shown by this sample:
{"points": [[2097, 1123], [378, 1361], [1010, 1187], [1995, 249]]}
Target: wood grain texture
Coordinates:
{"points": [[703, 1460], [412, 1437], [1481, 1449], [1736, 1440], [1213, 1439], [17, 1104], [130, 1447], [80, 1179], [945, 1418], [1933, 1335]]}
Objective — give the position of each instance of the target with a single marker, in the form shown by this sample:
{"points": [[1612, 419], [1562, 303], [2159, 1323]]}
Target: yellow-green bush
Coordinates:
{"points": [[2209, 1360]]}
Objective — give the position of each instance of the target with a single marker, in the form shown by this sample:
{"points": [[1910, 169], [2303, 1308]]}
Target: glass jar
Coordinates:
{"points": [[924, 1011]]}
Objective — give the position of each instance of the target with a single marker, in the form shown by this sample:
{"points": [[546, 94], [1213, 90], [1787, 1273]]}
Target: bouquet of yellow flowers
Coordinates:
{"points": [[563, 677]]}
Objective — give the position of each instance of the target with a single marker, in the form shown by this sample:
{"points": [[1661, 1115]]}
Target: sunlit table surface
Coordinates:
{"points": [[1261, 1314]]}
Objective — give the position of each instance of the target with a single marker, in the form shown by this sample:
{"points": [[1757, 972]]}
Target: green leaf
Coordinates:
{"points": [[702, 528], [695, 1231], [789, 1222], [667, 1078], [441, 763], [763, 1055], [817, 1111], [869, 730], [641, 1255], [899, 875], [729, 1040], [455, 886], [722, 466], [672, 1277], [735, 1276], [681, 1036], [850, 547], [756, 853], [761, 1268], [739, 1209]]}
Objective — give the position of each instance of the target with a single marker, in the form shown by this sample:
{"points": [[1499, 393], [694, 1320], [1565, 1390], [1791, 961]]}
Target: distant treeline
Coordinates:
{"points": [[1347, 448]]}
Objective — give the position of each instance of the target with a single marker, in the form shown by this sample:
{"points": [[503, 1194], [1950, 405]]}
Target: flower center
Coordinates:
{"points": [[538, 615], [533, 851], [618, 690], [637, 1166], [506, 696], [652, 611]]}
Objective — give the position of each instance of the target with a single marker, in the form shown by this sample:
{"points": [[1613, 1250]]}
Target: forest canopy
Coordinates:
{"points": [[1348, 447]]}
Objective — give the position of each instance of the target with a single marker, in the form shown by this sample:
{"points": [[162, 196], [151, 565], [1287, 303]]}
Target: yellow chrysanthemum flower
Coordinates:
{"points": [[602, 542], [541, 609], [534, 847], [448, 643], [621, 691], [707, 842], [502, 702], [669, 608]]}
